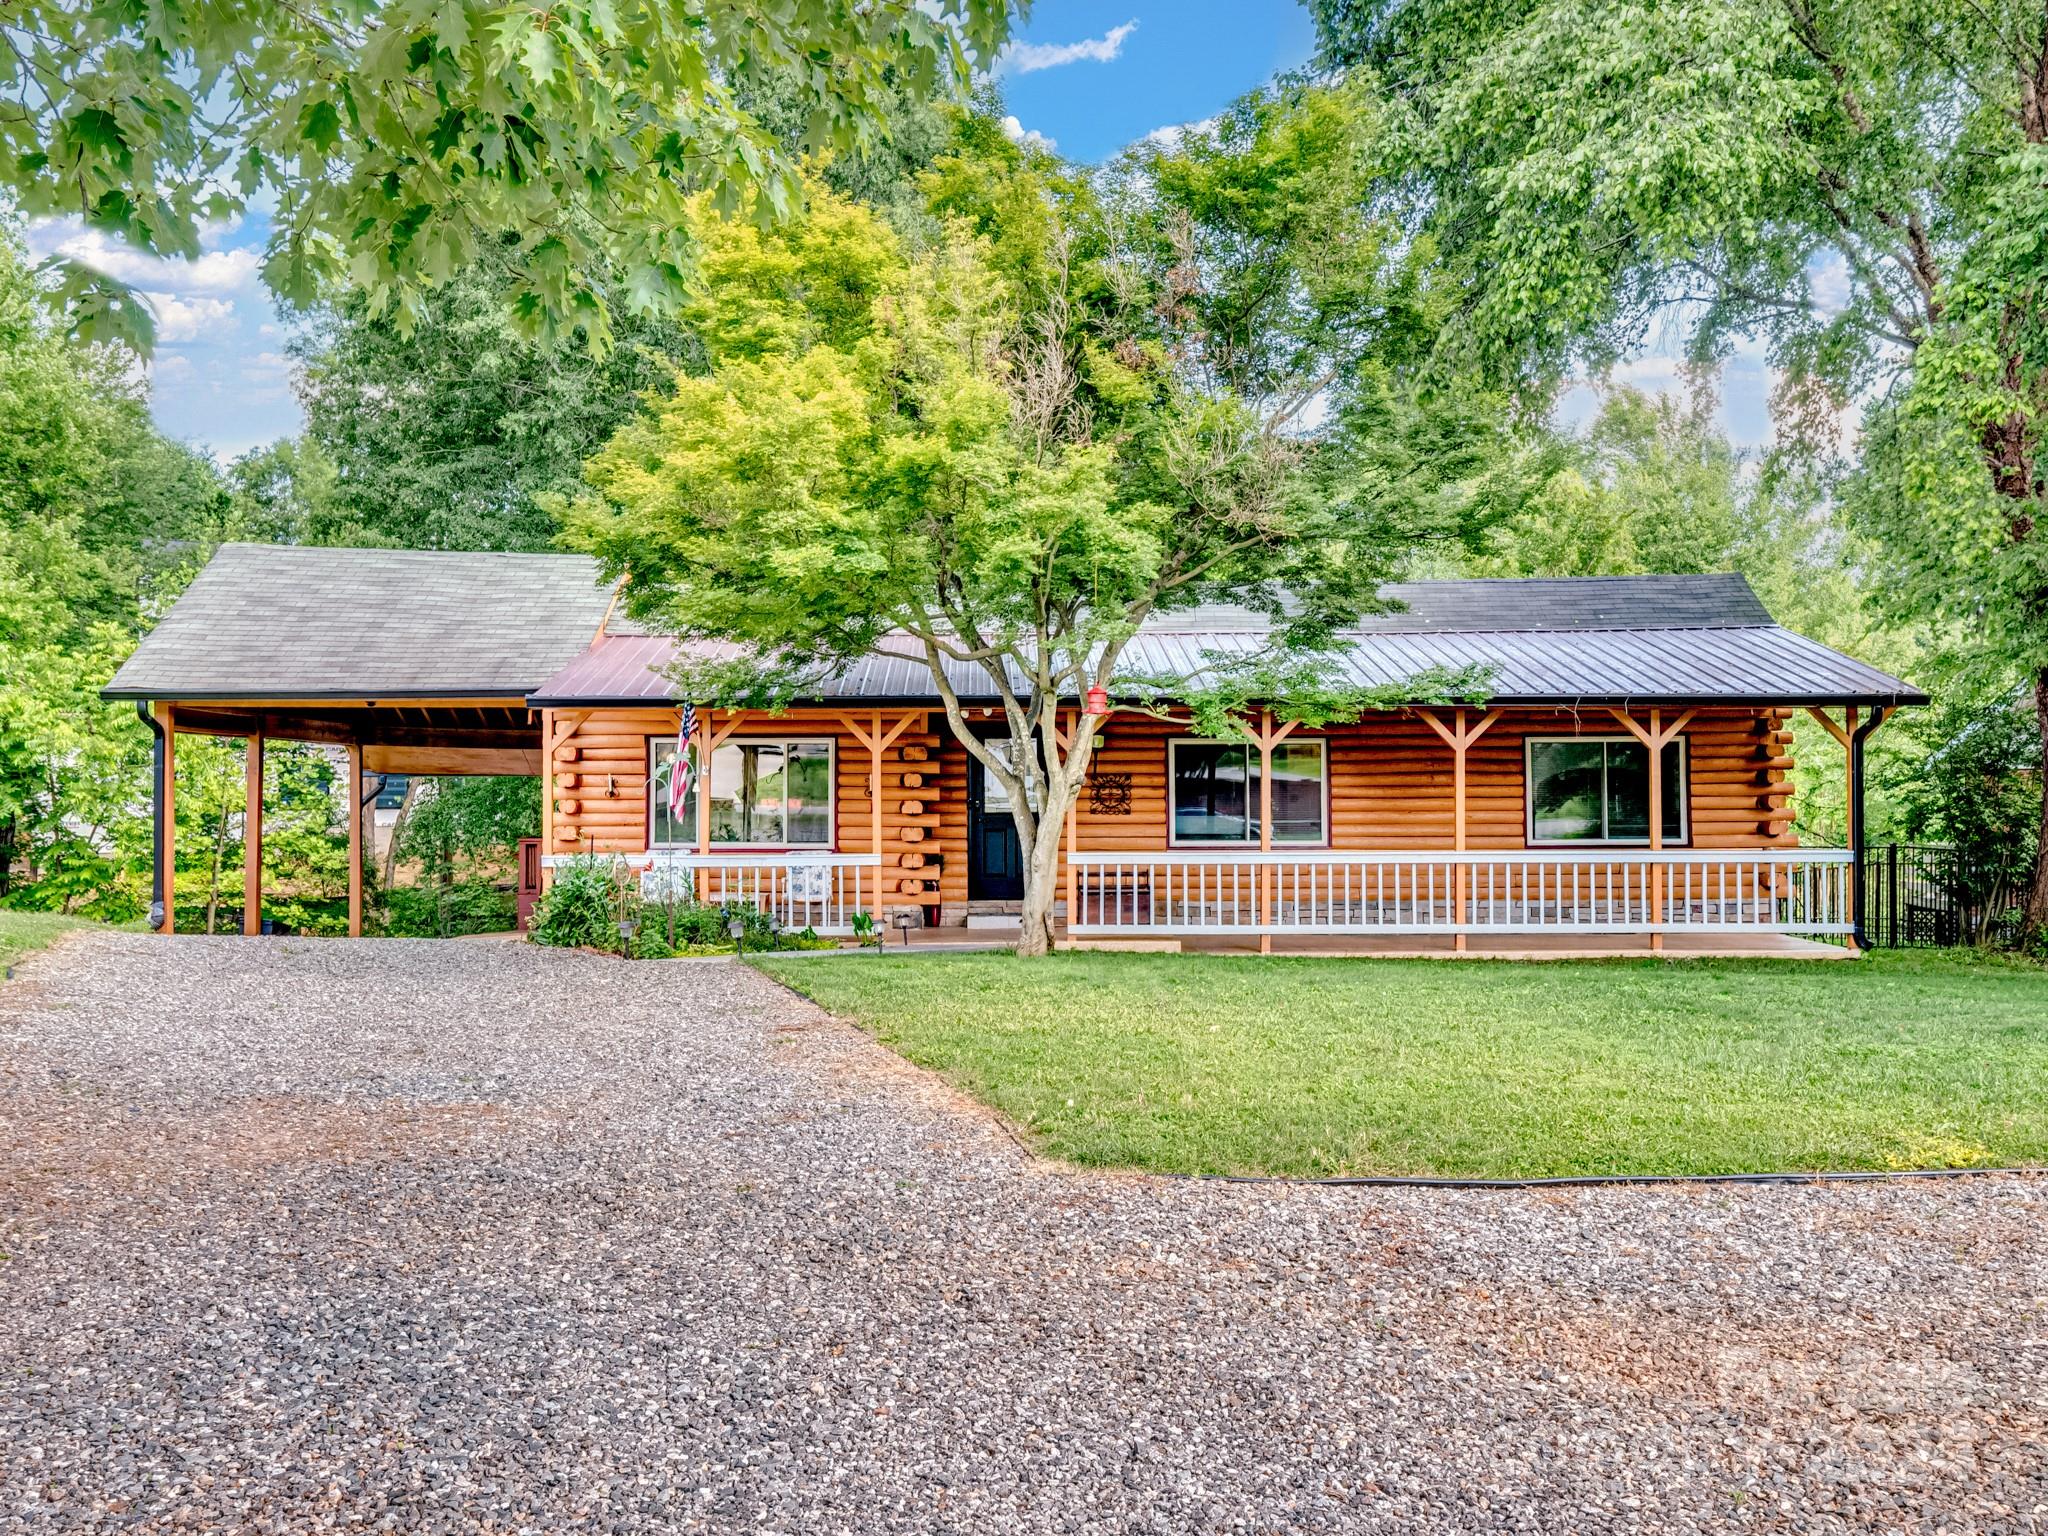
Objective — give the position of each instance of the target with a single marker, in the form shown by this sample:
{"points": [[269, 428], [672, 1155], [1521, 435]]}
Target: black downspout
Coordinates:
{"points": [[156, 847], [1860, 836]]}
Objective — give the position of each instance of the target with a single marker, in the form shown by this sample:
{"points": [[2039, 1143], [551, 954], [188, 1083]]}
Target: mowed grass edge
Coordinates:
{"points": [[22, 933], [1321, 1067]]}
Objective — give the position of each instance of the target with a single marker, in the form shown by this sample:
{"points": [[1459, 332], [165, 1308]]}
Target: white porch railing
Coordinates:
{"points": [[1784, 890], [819, 891]]}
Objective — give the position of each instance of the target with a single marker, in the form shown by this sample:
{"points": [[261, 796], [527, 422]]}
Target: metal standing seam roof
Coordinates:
{"points": [[1686, 661], [267, 621]]}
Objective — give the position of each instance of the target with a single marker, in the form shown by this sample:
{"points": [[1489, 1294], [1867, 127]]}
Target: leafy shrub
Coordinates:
{"points": [[445, 911], [583, 904]]}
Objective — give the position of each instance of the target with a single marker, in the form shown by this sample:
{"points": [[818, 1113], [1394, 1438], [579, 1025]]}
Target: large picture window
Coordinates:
{"points": [[1596, 789], [1215, 788], [765, 793]]}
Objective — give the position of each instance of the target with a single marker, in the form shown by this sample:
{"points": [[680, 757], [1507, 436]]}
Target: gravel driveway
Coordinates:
{"points": [[307, 1235]]}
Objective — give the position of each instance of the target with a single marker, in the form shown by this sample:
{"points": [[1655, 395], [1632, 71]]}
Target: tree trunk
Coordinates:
{"points": [[220, 838], [1041, 884], [2034, 925]]}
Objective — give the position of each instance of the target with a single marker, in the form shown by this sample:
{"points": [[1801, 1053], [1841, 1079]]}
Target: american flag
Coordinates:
{"points": [[679, 768]]}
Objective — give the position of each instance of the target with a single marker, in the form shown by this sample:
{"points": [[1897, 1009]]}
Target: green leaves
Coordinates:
{"points": [[398, 139]]}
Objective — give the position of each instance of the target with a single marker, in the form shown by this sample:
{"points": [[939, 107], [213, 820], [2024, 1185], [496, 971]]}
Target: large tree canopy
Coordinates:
{"points": [[1084, 401], [1863, 187], [397, 139], [444, 432]]}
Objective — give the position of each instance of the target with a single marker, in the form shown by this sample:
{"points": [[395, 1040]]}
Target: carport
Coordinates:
{"points": [[414, 662]]}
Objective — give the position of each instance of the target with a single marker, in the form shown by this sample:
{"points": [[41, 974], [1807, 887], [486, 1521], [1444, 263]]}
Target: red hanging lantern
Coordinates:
{"points": [[1098, 701]]}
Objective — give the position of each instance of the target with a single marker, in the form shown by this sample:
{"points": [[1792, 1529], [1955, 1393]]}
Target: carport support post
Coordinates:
{"points": [[355, 840], [167, 847], [252, 837]]}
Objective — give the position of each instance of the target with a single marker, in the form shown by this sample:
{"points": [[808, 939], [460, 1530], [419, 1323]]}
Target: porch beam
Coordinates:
{"points": [[381, 758], [252, 838]]}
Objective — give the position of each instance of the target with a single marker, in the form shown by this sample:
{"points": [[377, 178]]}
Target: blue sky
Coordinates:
{"points": [[1094, 76], [1087, 75]]}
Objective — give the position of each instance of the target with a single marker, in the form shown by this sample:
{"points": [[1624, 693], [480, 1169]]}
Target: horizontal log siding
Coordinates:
{"points": [[600, 793], [1390, 787], [1391, 780]]}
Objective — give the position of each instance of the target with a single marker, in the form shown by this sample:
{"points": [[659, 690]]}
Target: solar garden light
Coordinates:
{"points": [[905, 919], [738, 929], [627, 928]]}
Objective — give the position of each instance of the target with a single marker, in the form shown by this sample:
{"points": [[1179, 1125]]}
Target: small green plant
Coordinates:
{"points": [[864, 929], [707, 930], [583, 905]]}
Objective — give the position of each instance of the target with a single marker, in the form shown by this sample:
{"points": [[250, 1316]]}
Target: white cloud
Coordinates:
{"points": [[215, 271], [265, 367], [182, 319], [1030, 138], [1170, 136], [1830, 278], [1029, 58]]}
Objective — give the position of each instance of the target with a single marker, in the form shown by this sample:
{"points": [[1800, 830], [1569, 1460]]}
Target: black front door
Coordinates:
{"points": [[995, 859]]}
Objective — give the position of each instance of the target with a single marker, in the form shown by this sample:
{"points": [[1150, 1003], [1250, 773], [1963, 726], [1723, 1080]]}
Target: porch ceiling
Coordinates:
{"points": [[425, 724]]}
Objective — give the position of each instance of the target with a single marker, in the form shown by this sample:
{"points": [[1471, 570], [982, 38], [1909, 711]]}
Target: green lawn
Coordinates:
{"points": [[21, 932], [1210, 1064]]}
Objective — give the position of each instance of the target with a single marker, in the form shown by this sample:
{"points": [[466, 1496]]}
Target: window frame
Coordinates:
{"points": [[1529, 838], [1174, 840], [831, 843]]}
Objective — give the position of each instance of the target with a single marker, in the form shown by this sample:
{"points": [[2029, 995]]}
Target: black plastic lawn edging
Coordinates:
{"points": [[1594, 1180]]}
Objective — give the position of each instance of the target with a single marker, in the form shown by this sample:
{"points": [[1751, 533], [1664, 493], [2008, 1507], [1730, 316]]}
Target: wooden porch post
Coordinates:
{"points": [[167, 851], [355, 840], [1073, 844], [875, 803], [1458, 823], [1655, 740], [878, 742], [1265, 829], [1657, 828], [704, 790], [252, 837], [1845, 733], [1460, 738], [547, 792]]}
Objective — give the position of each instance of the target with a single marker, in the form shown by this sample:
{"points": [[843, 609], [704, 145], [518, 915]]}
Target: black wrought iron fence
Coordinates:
{"points": [[1926, 895]]}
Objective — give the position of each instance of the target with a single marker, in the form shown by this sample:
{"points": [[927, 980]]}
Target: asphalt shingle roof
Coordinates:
{"points": [[284, 622]]}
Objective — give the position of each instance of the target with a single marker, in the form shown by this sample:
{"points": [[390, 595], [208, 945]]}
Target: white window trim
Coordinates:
{"points": [[1529, 837], [1251, 840], [831, 745]]}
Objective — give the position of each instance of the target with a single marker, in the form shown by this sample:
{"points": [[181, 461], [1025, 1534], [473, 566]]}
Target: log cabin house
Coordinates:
{"points": [[1532, 821]]}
